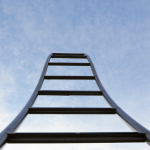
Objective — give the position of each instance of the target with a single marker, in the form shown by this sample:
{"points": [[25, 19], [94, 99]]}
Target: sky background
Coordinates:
{"points": [[116, 36]]}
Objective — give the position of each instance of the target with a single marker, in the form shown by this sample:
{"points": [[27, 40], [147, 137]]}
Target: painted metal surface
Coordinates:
{"points": [[67, 93], [70, 77], [68, 55], [67, 64], [44, 110], [88, 137]]}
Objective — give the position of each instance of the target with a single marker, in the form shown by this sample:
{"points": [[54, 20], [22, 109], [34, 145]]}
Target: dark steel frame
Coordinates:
{"points": [[88, 137], [7, 134]]}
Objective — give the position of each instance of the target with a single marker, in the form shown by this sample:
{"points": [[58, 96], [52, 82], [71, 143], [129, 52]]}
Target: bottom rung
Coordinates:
{"points": [[103, 137]]}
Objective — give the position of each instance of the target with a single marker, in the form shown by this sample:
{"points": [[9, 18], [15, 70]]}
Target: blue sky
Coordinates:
{"points": [[114, 33]]}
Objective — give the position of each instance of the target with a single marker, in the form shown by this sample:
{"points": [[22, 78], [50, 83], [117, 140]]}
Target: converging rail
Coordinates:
{"points": [[140, 134]]}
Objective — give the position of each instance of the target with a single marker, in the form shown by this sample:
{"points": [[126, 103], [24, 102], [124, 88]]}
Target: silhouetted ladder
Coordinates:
{"points": [[140, 133]]}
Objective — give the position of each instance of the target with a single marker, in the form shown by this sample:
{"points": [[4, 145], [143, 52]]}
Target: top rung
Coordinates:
{"points": [[68, 55], [81, 54]]}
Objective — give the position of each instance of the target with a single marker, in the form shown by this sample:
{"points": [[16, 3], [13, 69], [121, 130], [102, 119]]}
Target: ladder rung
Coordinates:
{"points": [[80, 54], [67, 64], [70, 77], [39, 110], [51, 92], [90, 137], [68, 56]]}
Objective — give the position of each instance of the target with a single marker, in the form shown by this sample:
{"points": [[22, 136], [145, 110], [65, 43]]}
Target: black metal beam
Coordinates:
{"points": [[42, 110], [88, 93], [104, 137], [70, 77], [80, 54], [69, 56], [67, 64]]}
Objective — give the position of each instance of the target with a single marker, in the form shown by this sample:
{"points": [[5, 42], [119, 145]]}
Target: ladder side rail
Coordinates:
{"points": [[134, 125], [16, 122]]}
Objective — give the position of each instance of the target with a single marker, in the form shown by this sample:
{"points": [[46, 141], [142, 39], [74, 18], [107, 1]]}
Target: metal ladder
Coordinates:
{"points": [[8, 135]]}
